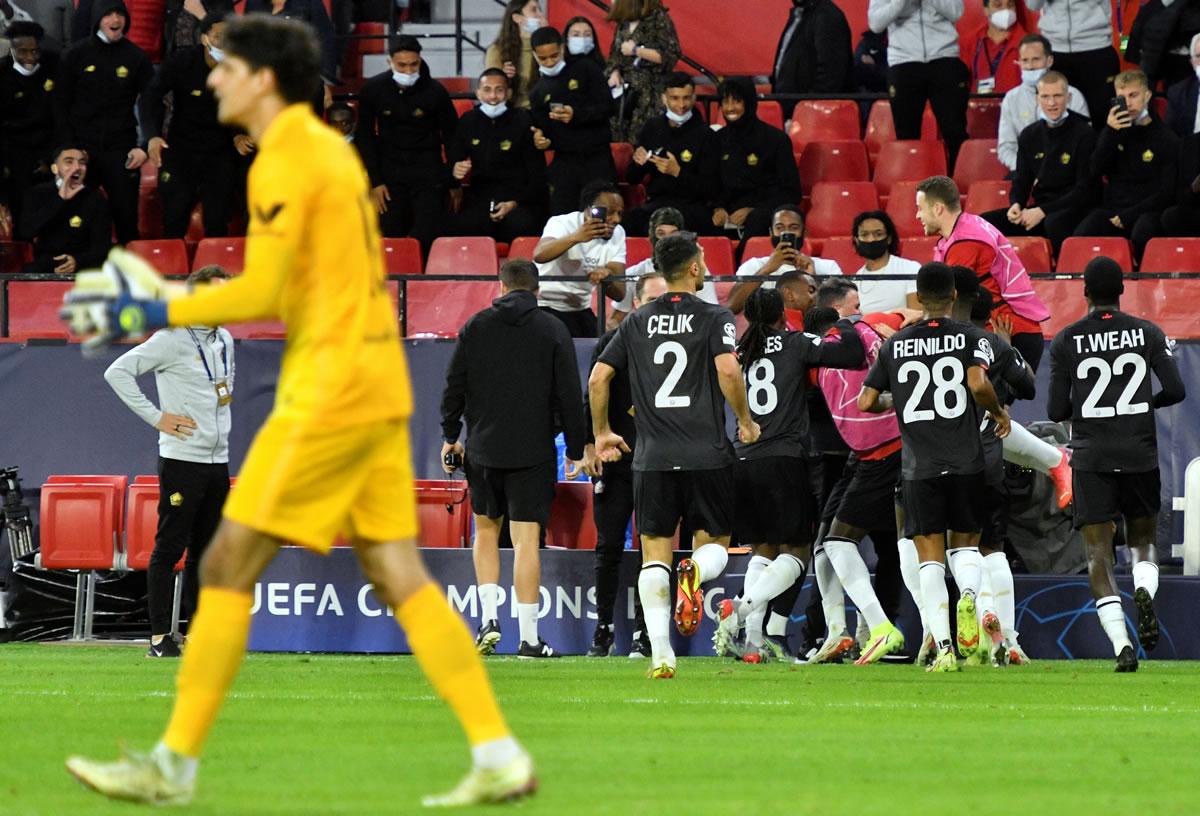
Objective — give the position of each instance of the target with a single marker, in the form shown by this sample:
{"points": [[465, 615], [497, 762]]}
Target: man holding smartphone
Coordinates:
{"points": [[787, 236]]}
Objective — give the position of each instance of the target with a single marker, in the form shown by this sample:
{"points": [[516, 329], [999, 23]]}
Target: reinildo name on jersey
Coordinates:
{"points": [[1110, 341], [929, 346]]}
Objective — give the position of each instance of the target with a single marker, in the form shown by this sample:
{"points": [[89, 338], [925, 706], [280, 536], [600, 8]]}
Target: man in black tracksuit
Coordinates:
{"points": [[26, 114], [515, 378], [99, 82], [678, 153], [493, 151], [196, 159], [67, 221], [405, 120], [814, 54], [570, 105]]}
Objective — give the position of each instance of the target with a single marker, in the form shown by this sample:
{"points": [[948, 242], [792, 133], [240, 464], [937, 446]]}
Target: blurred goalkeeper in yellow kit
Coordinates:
{"points": [[333, 457]]}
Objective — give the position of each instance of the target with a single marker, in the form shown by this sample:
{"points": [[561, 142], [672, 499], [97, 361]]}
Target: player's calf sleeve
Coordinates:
{"points": [[936, 600], [446, 654], [710, 560], [216, 645], [966, 565], [654, 588], [999, 573], [910, 571], [1145, 576], [852, 572], [1112, 619], [1022, 448], [774, 581], [832, 601], [754, 570]]}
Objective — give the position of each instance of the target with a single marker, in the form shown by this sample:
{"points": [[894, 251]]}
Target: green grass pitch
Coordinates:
{"points": [[364, 735]]}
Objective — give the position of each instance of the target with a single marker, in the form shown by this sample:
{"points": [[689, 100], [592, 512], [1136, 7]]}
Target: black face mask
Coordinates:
{"points": [[871, 250]]}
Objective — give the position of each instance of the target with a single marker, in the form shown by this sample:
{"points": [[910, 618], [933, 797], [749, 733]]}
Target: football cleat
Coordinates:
{"points": [[1016, 655], [728, 624], [944, 662], [640, 645], [133, 778], [530, 651], [663, 671], [834, 647], [968, 625], [1127, 661], [1147, 621], [167, 647], [928, 650], [777, 645], [885, 639], [998, 652], [602, 642], [862, 633], [756, 654], [487, 637], [689, 597], [1060, 474], [514, 781]]}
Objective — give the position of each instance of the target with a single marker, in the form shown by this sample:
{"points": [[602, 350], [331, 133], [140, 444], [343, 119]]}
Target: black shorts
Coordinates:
{"points": [[865, 496], [774, 503], [951, 503], [1101, 497], [701, 499], [520, 494]]}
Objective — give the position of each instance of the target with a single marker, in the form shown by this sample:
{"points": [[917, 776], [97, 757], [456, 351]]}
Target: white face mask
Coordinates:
{"points": [[531, 24], [677, 118], [1196, 68], [216, 53], [554, 71], [493, 111], [1031, 76], [1003, 20], [405, 80], [580, 45], [1052, 122], [23, 71]]}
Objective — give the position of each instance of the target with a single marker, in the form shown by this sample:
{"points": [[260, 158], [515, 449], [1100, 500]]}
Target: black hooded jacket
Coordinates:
{"points": [[818, 58], [757, 167], [401, 132], [515, 377]]}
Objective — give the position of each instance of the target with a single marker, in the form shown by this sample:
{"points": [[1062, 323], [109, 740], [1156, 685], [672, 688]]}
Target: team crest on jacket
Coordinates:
{"points": [[48, 85], [572, 84], [685, 156], [91, 69], [506, 144], [122, 71], [752, 160], [418, 113], [1148, 156], [197, 92], [1065, 158], [75, 221]]}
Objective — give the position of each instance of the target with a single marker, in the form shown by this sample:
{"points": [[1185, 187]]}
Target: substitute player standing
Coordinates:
{"points": [[1100, 379], [936, 371], [334, 454], [679, 352]]}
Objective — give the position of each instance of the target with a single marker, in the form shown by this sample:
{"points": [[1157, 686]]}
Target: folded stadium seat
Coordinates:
{"points": [[1035, 253], [769, 111], [439, 308], [443, 512], [718, 254], [523, 247], [33, 308], [622, 155], [977, 161], [881, 129], [462, 106], [1064, 299], [983, 118], [833, 161], [167, 255], [824, 120], [918, 248], [145, 478], [637, 249], [14, 255], [840, 249], [150, 223], [1076, 251], [836, 203], [1171, 255], [402, 256], [908, 161], [571, 525], [902, 207], [228, 253], [987, 194]]}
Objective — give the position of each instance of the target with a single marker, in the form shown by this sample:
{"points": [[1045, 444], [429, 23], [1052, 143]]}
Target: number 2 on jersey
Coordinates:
{"points": [[1092, 409], [663, 398], [947, 377]]}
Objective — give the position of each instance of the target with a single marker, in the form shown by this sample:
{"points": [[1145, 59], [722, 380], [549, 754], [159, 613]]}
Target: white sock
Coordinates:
{"points": [[936, 599], [985, 603], [1145, 576], [178, 768], [831, 593], [654, 588], [527, 619], [495, 754], [754, 619], [777, 625], [775, 580], [966, 565], [910, 571], [489, 594], [754, 569], [710, 560], [1112, 618], [1022, 448], [852, 572], [996, 567]]}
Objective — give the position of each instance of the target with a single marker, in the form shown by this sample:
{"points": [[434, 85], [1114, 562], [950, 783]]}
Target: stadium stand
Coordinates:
{"points": [[977, 162], [835, 204], [168, 255], [1034, 253], [430, 312], [908, 161], [902, 207], [718, 254], [833, 161], [228, 253], [571, 524], [33, 308], [444, 510], [824, 120], [1076, 252], [881, 129], [987, 194]]}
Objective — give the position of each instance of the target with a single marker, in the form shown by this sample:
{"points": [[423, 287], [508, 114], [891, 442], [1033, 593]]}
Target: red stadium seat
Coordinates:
{"points": [[457, 84], [444, 512], [150, 224], [462, 256], [835, 204], [718, 254], [1035, 253], [918, 248], [1171, 304], [571, 525], [833, 161], [117, 482], [33, 308], [227, 253], [622, 154], [440, 308], [983, 118], [908, 161], [977, 161], [987, 195], [14, 255], [167, 255], [462, 106], [1075, 252], [402, 256], [902, 207], [882, 130], [142, 525], [1064, 299], [1171, 255], [759, 246], [840, 250], [824, 120], [523, 247], [637, 249]]}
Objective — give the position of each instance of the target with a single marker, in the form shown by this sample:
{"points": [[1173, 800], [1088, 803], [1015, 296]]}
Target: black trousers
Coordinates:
{"points": [[189, 176], [1092, 73], [475, 219], [1031, 345], [944, 83], [579, 324], [697, 216], [1057, 226], [612, 508], [191, 497], [106, 168], [569, 173], [20, 174], [417, 209], [1096, 224], [1180, 221]]}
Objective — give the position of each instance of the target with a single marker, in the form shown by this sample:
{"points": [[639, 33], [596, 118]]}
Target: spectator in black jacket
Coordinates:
{"points": [[198, 163], [26, 114], [405, 120], [67, 221], [757, 169], [1138, 157], [315, 14], [95, 98], [493, 152], [678, 153], [515, 376], [814, 53], [570, 105], [1183, 95], [1183, 219], [1053, 186]]}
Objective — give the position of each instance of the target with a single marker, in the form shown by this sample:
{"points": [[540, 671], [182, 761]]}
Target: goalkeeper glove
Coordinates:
{"points": [[121, 300]]}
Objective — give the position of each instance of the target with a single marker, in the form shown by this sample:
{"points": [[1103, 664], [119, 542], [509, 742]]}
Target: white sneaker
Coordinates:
{"points": [[132, 777], [516, 780]]}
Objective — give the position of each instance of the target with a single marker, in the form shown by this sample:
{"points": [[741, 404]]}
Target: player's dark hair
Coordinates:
{"points": [[493, 72], [207, 273], [763, 311], [796, 276], [889, 226], [63, 148], [739, 89], [935, 283], [679, 79], [1036, 39], [819, 319], [288, 48], [546, 35], [25, 28], [664, 215], [405, 42], [675, 253], [981, 309], [594, 189], [966, 282], [639, 287], [834, 292], [1103, 281], [519, 274], [941, 189], [339, 107], [211, 20]]}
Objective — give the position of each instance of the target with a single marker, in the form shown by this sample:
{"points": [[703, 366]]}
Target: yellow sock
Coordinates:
{"points": [[446, 653], [215, 647]]}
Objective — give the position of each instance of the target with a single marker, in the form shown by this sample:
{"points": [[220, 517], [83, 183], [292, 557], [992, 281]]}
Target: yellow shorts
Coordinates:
{"points": [[305, 483]]}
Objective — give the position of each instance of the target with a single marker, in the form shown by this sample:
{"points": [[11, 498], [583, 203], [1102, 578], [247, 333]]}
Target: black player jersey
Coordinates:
{"points": [[925, 367], [777, 385], [1100, 379], [668, 348], [1012, 380]]}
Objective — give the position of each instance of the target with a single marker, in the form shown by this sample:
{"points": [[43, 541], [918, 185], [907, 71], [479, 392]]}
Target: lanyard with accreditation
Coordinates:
{"points": [[221, 386]]}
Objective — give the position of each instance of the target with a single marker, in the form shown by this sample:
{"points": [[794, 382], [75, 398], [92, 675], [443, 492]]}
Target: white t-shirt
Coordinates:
{"points": [[885, 295], [821, 267], [707, 293], [575, 296]]}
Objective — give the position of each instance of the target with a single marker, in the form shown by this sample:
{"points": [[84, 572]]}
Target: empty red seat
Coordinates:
{"points": [[150, 224], [983, 118], [116, 482], [440, 308], [637, 249], [1171, 304], [1064, 299], [227, 253], [918, 248], [33, 308], [1172, 255], [1035, 253], [835, 204], [571, 526], [462, 256], [881, 129], [14, 255], [840, 250], [456, 84], [462, 106], [402, 256], [622, 154], [718, 254], [444, 512], [977, 161], [523, 247], [167, 255], [902, 207], [759, 246], [908, 161], [1076, 251], [833, 161], [824, 120], [989, 194]]}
